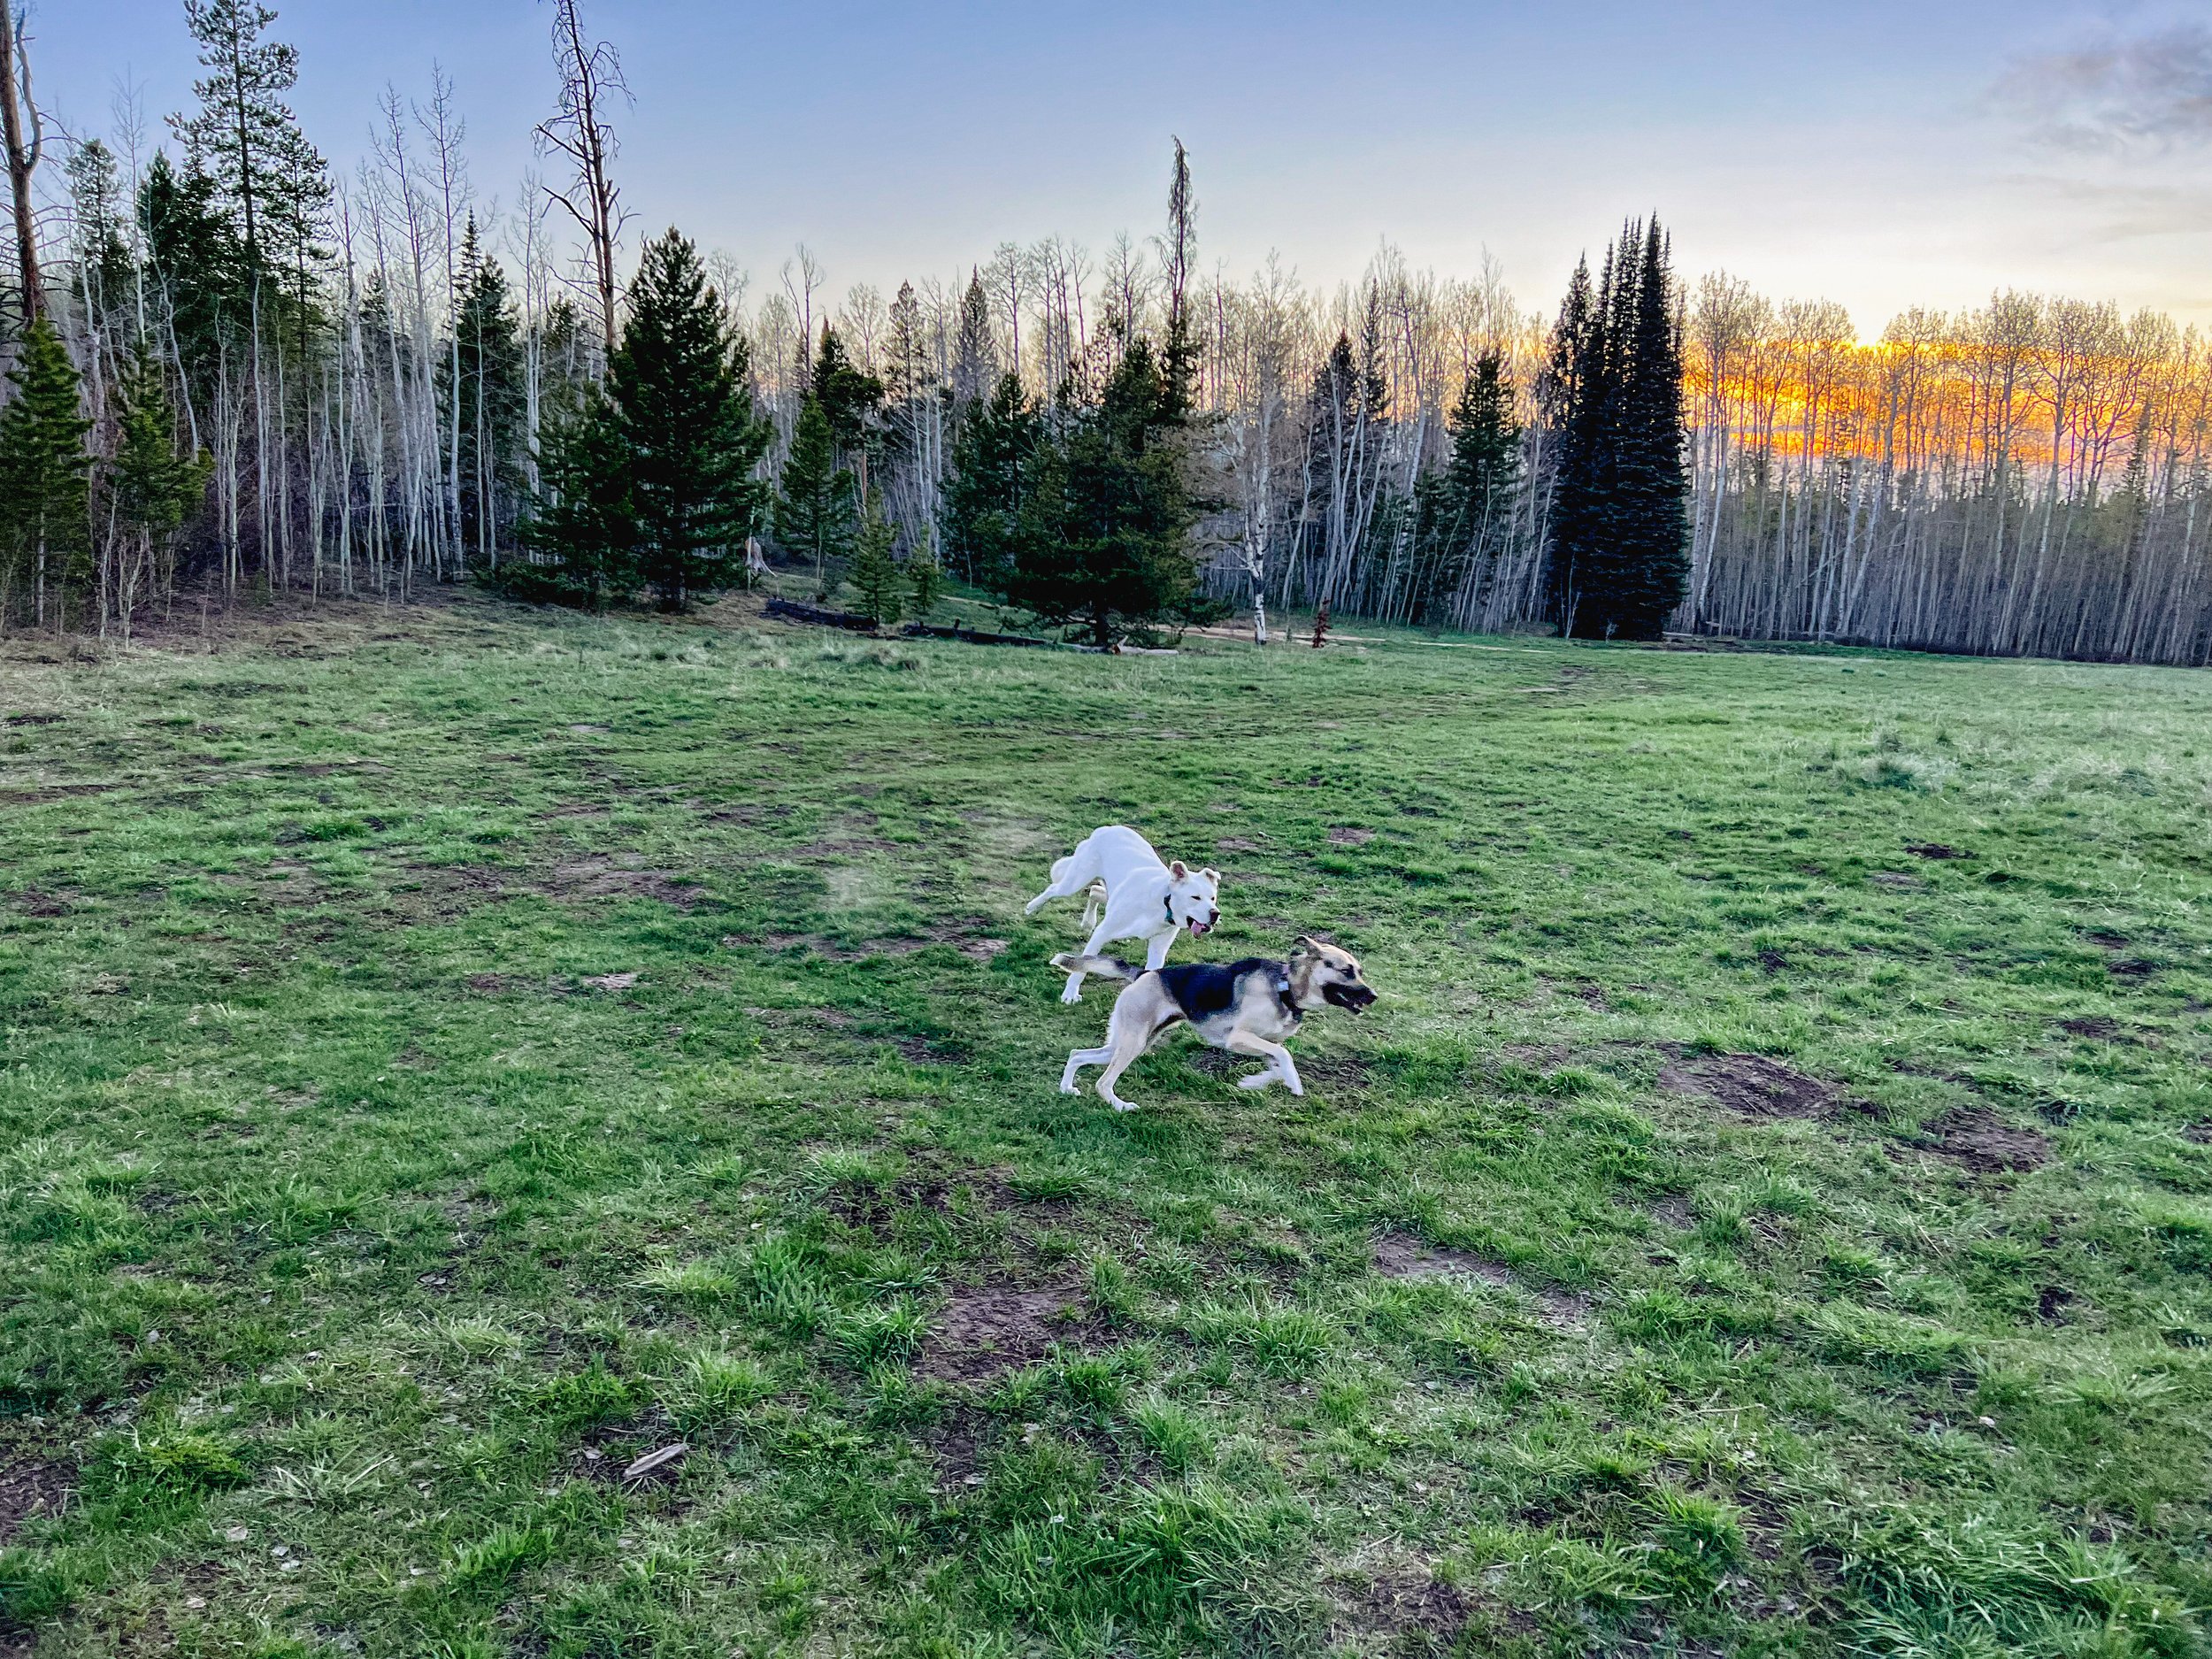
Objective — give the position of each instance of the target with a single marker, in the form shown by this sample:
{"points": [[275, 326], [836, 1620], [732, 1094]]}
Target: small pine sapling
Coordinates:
{"points": [[875, 575], [925, 579]]}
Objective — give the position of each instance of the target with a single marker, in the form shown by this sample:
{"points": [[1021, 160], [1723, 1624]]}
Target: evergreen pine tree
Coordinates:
{"points": [[488, 341], [1582, 390], [974, 352], [875, 573], [924, 579], [194, 262], [1180, 350], [1104, 525], [814, 509], [96, 213], [1654, 521], [580, 520], [45, 537], [983, 494], [1620, 524], [246, 138], [1461, 508], [678, 392], [847, 394], [152, 490]]}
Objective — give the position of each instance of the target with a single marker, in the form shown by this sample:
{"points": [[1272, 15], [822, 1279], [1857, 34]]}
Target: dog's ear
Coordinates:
{"points": [[1179, 870], [1213, 876], [1303, 946]]}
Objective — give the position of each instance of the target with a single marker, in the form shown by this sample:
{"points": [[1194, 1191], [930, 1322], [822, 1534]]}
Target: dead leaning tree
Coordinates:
{"points": [[22, 156], [591, 77]]}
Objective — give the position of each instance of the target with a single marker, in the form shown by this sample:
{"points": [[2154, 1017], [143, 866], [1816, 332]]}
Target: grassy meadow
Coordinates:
{"points": [[451, 1055]]}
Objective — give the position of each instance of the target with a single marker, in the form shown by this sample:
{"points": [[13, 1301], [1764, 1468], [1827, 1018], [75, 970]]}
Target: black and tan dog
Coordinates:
{"points": [[1246, 1007]]}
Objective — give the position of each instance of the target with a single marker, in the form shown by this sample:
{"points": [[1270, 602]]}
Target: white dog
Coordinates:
{"points": [[1145, 898]]}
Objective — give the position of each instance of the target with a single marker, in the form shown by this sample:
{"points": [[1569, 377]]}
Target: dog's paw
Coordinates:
{"points": [[1123, 1105], [1298, 1088], [1259, 1079], [1073, 993], [1070, 1089]]}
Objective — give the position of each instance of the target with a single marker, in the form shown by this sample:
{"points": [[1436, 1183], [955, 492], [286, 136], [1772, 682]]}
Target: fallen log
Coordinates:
{"points": [[791, 610], [969, 636]]}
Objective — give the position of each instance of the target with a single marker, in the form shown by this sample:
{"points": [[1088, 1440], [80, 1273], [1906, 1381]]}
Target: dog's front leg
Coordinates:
{"points": [[1155, 949], [1077, 1061], [1280, 1067], [1073, 991]]}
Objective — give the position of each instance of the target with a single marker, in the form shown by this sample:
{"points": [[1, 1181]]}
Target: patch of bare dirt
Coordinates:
{"points": [[1936, 849], [488, 984], [1901, 880], [2131, 968], [2099, 1027], [922, 1051], [1673, 1210], [36, 719], [1752, 1085], [988, 1331], [2199, 1132], [1398, 1256], [621, 876], [1349, 835], [842, 847], [31, 1490], [1237, 844], [37, 902], [1976, 1138], [1403, 1604]]}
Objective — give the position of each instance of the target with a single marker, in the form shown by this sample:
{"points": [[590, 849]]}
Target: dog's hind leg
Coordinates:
{"points": [[1070, 876], [1129, 1044]]}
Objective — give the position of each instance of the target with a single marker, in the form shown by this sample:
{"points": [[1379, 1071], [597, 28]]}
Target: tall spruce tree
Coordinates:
{"points": [[875, 573], [849, 395], [45, 533], [649, 482], [195, 266], [679, 393], [1462, 508], [245, 138], [1654, 534], [152, 488], [491, 395], [578, 520], [1619, 522], [815, 502], [983, 496], [974, 353], [1104, 532]]}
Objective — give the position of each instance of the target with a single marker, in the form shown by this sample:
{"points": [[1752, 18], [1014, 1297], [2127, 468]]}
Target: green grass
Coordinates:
{"points": [[361, 1219]]}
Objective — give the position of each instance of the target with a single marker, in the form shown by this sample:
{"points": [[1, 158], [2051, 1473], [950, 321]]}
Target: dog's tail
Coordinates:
{"points": [[1094, 903], [1104, 967]]}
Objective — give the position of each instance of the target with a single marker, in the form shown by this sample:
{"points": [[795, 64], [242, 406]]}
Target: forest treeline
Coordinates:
{"points": [[250, 368]]}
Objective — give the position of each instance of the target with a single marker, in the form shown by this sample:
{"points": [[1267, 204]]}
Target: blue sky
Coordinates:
{"points": [[1881, 155]]}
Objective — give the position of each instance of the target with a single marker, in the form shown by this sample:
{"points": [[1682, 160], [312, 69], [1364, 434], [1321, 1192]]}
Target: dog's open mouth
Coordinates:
{"points": [[1199, 930], [1356, 997]]}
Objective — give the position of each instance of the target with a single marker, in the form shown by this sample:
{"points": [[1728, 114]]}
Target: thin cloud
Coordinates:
{"points": [[2152, 91]]}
